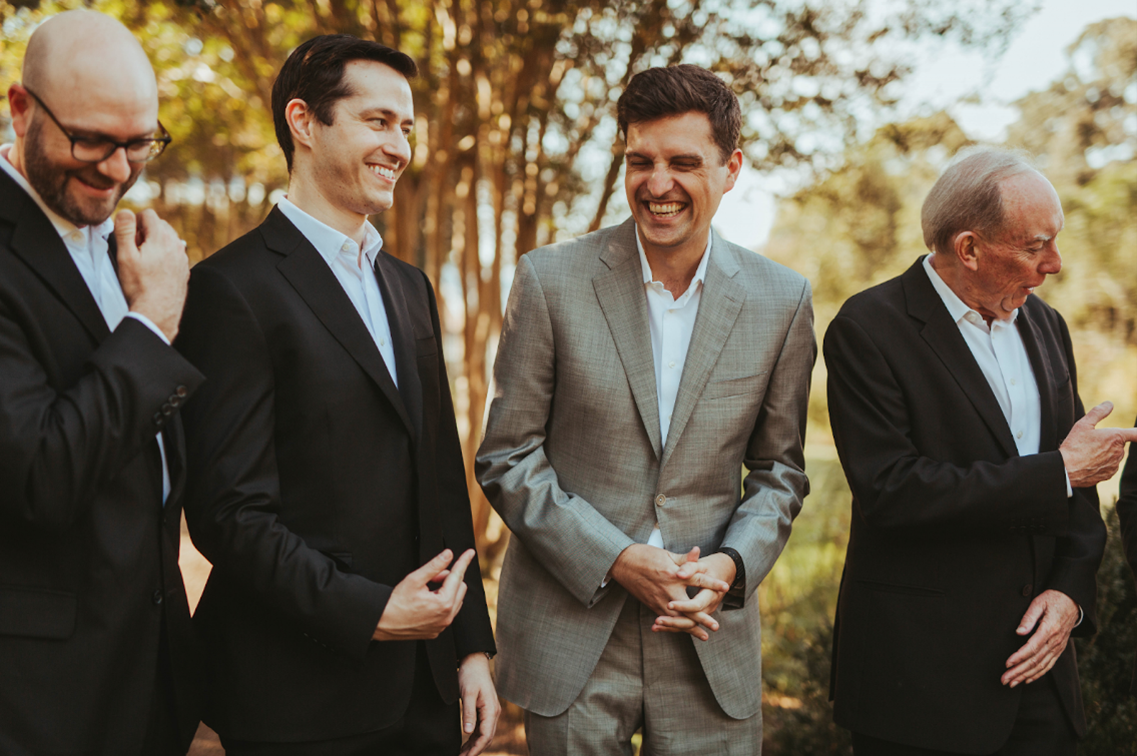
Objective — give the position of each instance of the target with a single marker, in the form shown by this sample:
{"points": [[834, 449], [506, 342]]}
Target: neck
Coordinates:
{"points": [[675, 268], [956, 280], [307, 196]]}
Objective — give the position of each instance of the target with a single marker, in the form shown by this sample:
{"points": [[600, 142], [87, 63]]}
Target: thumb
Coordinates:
{"points": [[1033, 612], [1098, 413], [125, 230], [430, 570]]}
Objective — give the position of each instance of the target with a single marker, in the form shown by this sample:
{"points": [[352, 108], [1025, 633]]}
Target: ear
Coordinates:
{"points": [[300, 120], [733, 168], [19, 102], [966, 251]]}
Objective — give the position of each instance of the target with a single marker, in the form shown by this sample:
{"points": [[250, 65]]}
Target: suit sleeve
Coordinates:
{"points": [[895, 486], [1127, 508], [575, 543], [775, 484], [58, 445], [471, 626], [233, 490]]}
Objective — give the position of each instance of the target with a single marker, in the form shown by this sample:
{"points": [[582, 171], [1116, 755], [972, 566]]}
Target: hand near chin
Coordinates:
{"points": [[152, 268]]}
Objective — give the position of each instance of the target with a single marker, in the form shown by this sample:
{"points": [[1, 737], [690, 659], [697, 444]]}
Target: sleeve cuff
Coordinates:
{"points": [[158, 332], [1069, 488]]}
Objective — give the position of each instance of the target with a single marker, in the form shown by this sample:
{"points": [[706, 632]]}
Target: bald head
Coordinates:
{"points": [[92, 61], [87, 82]]}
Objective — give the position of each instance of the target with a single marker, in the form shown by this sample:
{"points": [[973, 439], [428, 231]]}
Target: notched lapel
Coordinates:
{"points": [[1040, 363], [403, 338], [621, 295], [38, 244], [943, 336], [314, 281], [719, 306]]}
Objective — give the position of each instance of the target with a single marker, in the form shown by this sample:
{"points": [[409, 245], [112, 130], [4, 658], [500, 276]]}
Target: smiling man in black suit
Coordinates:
{"points": [[327, 481], [96, 648], [975, 534]]}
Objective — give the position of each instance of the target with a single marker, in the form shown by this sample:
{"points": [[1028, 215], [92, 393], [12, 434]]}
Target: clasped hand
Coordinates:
{"points": [[659, 579]]}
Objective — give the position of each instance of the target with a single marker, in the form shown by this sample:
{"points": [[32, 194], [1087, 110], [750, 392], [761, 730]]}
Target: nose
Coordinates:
{"points": [[660, 181], [1052, 261], [116, 167], [399, 148]]}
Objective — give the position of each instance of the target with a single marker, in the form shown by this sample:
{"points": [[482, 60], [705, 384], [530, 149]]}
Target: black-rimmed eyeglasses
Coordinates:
{"points": [[96, 149]]}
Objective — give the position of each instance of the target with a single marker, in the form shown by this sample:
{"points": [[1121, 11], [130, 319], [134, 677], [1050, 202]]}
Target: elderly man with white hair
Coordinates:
{"points": [[975, 533], [96, 648]]}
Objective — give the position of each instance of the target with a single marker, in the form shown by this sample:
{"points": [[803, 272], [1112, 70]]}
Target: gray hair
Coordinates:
{"points": [[967, 196]]}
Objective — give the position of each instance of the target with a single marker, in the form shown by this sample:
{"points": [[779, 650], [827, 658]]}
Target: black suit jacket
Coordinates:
{"points": [[953, 533], [1127, 514], [88, 554], [316, 486]]}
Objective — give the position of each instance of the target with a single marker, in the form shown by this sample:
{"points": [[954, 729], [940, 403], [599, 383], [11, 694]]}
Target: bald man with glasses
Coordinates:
{"points": [[96, 648]]}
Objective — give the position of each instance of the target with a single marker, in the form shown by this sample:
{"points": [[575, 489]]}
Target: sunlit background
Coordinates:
{"points": [[850, 111]]}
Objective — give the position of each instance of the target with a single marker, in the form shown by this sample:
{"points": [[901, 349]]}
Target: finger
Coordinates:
{"points": [[677, 623], [1029, 649], [428, 572], [706, 581], [125, 228], [469, 709], [449, 589], [1098, 413], [699, 603], [1032, 669], [1128, 435], [1033, 612]]}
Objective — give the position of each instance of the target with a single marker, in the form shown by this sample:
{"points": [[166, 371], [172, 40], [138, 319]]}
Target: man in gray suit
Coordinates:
{"points": [[640, 368]]}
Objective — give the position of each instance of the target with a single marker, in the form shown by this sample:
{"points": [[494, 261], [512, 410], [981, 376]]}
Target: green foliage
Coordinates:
{"points": [[1105, 661]]}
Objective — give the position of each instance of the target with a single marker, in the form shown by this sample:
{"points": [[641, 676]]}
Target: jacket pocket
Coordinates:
{"points": [[900, 588], [37, 612], [747, 384]]}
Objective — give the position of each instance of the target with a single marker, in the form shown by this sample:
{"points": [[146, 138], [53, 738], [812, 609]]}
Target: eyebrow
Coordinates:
{"points": [[686, 156], [386, 113]]}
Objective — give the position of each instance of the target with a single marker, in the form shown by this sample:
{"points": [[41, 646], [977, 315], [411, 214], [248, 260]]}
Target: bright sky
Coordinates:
{"points": [[1035, 57]]}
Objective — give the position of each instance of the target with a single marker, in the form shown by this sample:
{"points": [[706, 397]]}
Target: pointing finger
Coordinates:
{"points": [[429, 571], [1099, 413], [449, 589]]}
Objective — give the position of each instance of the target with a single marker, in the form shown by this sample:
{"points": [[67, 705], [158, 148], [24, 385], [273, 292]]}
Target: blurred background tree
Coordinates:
{"points": [[515, 145]]}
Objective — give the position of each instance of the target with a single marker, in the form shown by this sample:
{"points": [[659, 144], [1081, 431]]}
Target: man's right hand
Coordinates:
{"points": [[414, 611], [1092, 454], [652, 575], [152, 268]]}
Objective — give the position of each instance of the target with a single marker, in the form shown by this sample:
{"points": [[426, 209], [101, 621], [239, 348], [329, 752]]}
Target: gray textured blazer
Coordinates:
{"points": [[573, 460]]}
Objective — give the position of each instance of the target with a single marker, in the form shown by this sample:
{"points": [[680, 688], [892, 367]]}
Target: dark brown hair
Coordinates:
{"points": [[675, 90], [314, 73]]}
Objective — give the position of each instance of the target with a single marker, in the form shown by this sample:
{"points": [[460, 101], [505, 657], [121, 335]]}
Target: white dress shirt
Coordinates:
{"points": [[356, 277], [672, 322], [1002, 357], [89, 250]]}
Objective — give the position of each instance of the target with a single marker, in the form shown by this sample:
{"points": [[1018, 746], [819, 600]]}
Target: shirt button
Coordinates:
{"points": [[1013, 381], [671, 364], [382, 342], [1019, 434], [1027, 590], [660, 500]]}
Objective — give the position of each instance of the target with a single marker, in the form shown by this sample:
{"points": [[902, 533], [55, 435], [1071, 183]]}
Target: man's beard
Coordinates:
{"points": [[50, 182]]}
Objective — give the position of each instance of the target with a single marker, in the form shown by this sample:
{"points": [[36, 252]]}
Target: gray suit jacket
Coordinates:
{"points": [[573, 460]]}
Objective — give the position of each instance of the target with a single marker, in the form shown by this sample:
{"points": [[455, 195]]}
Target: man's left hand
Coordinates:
{"points": [[698, 610], [1058, 614], [480, 707]]}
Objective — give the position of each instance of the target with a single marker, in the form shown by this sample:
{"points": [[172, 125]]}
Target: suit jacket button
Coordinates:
{"points": [[167, 410], [181, 392], [158, 419], [1027, 590], [174, 400], [157, 597], [660, 500]]}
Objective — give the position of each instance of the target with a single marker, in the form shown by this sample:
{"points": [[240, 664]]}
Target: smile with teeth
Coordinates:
{"points": [[383, 171], [665, 209]]}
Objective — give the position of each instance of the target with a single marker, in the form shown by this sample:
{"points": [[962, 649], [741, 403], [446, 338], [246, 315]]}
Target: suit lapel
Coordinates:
{"points": [[314, 281], [943, 336], [620, 291], [719, 305], [1036, 349], [403, 339], [38, 244]]}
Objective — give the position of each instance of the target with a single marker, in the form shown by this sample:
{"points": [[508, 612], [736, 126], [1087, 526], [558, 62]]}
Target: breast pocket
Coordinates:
{"points": [[746, 385]]}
